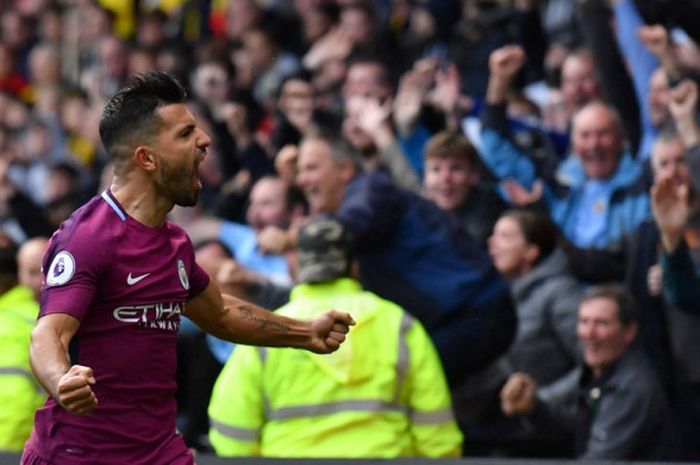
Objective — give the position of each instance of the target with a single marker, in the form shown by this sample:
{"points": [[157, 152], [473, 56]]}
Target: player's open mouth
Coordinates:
{"points": [[197, 176]]}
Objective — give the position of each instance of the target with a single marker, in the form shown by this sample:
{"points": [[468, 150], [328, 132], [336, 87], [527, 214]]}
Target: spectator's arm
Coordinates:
{"points": [[502, 157], [402, 172], [374, 118], [617, 87]]}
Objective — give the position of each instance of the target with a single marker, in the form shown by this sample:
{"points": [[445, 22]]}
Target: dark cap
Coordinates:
{"points": [[323, 251]]}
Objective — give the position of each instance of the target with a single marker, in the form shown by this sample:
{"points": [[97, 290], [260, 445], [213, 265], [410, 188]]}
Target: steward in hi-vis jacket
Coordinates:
{"points": [[20, 394], [382, 394]]}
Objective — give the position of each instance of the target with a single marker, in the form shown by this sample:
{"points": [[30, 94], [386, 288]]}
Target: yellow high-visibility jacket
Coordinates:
{"points": [[20, 395], [382, 394]]}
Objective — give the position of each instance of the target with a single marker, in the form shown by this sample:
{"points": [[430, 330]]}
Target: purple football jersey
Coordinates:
{"points": [[127, 283]]}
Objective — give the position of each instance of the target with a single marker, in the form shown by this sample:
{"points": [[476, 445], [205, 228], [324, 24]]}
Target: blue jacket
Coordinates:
{"points": [[628, 202], [409, 248], [412, 253]]}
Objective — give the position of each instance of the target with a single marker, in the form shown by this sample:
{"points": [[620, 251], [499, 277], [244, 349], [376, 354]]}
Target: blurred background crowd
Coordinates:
{"points": [[560, 137]]}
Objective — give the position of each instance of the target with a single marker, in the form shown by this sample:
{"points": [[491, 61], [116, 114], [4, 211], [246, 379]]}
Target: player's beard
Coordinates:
{"points": [[181, 186]]}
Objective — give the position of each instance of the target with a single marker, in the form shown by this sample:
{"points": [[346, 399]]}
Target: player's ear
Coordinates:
{"points": [[145, 158]]}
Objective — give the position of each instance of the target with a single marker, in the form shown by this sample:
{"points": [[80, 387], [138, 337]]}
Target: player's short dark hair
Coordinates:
{"points": [[130, 115]]}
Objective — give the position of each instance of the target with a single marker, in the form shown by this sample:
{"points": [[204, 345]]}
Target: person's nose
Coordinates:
{"points": [[204, 140]]}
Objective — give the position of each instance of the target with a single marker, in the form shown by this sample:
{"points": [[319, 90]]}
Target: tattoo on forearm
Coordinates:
{"points": [[247, 314]]}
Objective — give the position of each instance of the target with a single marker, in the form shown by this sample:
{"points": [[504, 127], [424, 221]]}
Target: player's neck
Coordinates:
{"points": [[143, 205]]}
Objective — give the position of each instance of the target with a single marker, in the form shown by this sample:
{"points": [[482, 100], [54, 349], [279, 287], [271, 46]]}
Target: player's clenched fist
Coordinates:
{"points": [[75, 392], [328, 331]]}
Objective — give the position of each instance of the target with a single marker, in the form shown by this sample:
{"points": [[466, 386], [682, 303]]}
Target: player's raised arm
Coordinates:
{"points": [[68, 385], [239, 321]]}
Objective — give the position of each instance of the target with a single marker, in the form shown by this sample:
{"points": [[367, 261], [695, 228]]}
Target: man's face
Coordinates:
{"points": [[447, 181], [669, 161], [365, 79], [297, 98], [352, 130], [597, 141], [320, 177], [268, 205], [602, 336], [210, 83], [180, 148], [658, 98], [578, 82]]}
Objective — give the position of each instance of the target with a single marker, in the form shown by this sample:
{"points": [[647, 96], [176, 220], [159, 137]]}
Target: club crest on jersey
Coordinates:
{"points": [[61, 270], [182, 273]]}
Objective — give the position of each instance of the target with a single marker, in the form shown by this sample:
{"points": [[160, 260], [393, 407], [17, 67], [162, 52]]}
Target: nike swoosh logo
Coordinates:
{"points": [[131, 280]]}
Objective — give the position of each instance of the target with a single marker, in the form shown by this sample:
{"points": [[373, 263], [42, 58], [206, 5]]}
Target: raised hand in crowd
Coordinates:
{"points": [[684, 108], [504, 64], [373, 117], [655, 39], [335, 45], [519, 195], [413, 87], [669, 202], [446, 96], [286, 162]]}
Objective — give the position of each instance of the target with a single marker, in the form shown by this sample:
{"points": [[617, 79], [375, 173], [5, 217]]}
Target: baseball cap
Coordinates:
{"points": [[323, 251]]}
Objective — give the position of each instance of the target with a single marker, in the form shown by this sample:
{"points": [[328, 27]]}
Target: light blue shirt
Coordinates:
{"points": [[591, 221]]}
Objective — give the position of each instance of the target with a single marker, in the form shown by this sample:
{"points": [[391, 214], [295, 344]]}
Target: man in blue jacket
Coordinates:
{"points": [[411, 252], [596, 195]]}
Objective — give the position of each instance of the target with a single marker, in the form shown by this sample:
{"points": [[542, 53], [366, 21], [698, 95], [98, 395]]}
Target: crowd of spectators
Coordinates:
{"points": [[492, 159]]}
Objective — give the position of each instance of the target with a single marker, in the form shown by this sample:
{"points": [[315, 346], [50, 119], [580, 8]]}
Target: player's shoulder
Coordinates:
{"points": [[177, 232], [92, 222]]}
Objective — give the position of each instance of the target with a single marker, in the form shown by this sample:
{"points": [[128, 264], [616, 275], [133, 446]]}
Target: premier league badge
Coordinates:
{"points": [[61, 270]]}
